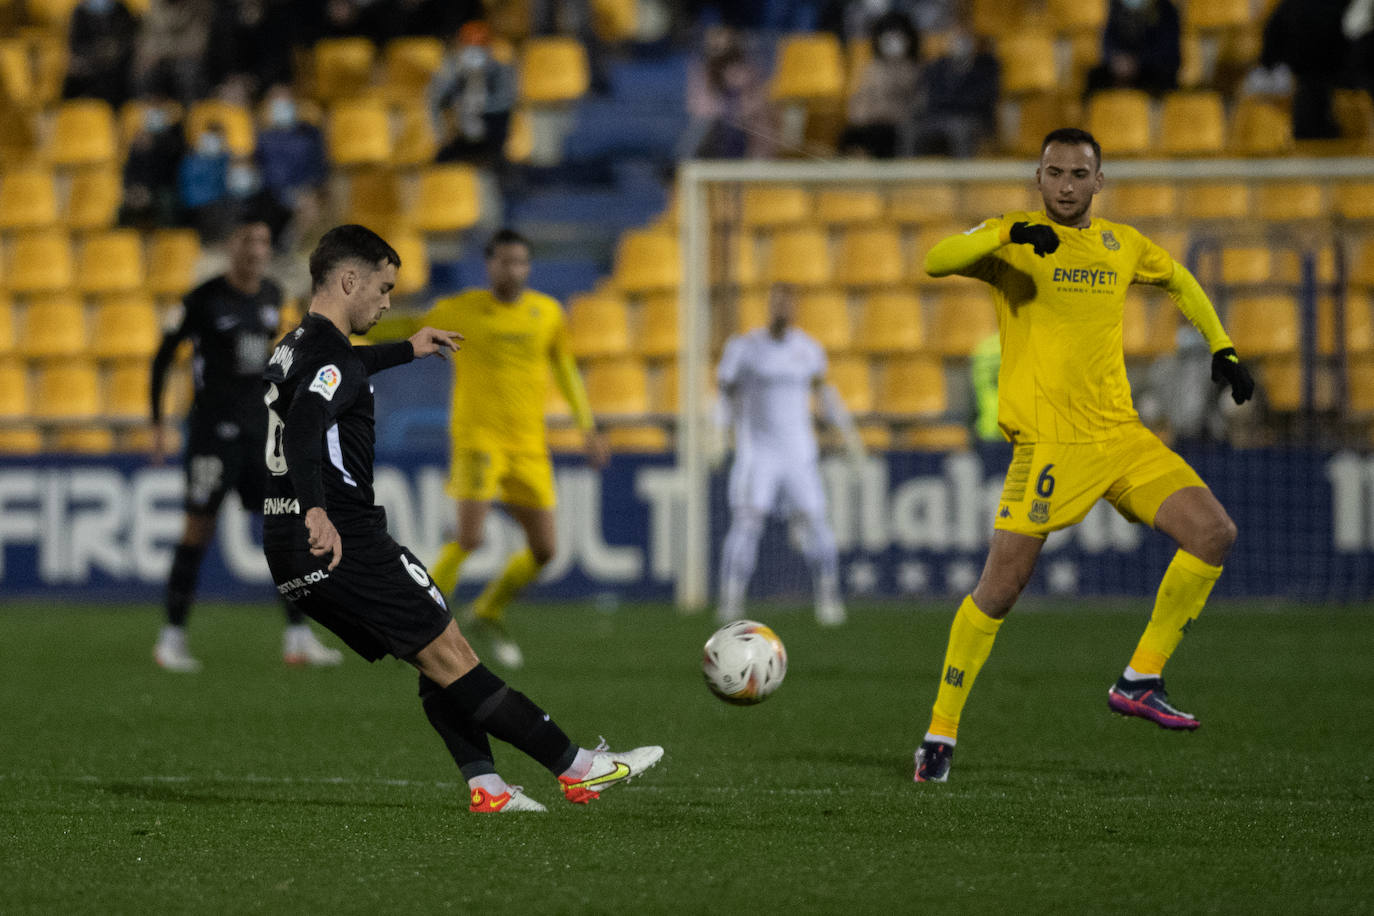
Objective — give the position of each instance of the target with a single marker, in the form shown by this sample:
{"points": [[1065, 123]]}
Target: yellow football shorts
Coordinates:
{"points": [[1052, 485], [513, 478]]}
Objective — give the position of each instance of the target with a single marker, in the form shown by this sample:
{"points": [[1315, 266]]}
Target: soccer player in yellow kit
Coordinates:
{"points": [[1059, 280], [514, 337]]}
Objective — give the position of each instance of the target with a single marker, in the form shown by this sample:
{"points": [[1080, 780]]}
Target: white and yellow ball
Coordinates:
{"points": [[744, 662]]}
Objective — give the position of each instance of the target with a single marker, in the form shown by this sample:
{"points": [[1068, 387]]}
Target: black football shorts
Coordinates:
{"points": [[223, 456]]}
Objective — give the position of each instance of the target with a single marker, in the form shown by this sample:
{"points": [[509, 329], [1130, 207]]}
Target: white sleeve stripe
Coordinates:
{"points": [[336, 454]]}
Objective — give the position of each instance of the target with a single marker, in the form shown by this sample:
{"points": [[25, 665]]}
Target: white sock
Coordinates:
{"points": [[581, 765], [1131, 674], [491, 783], [939, 739], [172, 634]]}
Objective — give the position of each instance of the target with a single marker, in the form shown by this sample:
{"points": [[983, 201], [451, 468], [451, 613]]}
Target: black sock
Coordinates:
{"points": [[513, 717], [466, 741], [181, 584], [294, 615]]}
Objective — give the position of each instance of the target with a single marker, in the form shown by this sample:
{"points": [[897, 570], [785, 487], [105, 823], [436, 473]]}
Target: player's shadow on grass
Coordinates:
{"points": [[190, 793]]}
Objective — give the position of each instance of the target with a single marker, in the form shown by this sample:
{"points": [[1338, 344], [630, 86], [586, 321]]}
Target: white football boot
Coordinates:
{"points": [[608, 768], [512, 801], [301, 648], [171, 653]]}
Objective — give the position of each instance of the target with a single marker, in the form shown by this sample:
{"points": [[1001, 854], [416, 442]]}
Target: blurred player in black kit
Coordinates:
{"points": [[329, 550], [231, 321]]}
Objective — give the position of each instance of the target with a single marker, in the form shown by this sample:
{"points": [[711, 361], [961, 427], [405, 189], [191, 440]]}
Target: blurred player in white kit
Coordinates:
{"points": [[766, 379]]}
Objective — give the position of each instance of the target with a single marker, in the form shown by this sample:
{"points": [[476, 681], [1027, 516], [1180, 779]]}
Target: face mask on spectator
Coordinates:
{"points": [[892, 44], [210, 144], [1133, 4], [154, 119], [282, 112], [242, 180], [472, 58], [961, 47], [99, 7]]}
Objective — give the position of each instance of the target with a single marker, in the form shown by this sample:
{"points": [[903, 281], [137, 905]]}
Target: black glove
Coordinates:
{"points": [[1227, 368], [1037, 235]]}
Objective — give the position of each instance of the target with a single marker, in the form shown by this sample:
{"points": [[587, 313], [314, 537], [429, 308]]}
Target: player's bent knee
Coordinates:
{"points": [[1216, 538], [470, 542], [542, 553]]}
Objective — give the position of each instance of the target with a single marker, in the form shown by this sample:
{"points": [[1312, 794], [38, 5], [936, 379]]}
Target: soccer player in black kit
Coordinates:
{"points": [[231, 322], [328, 547]]}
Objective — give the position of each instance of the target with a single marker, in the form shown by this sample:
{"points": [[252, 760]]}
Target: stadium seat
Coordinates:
{"points": [[520, 137], [374, 197], [409, 63], [775, 205], [94, 199], [1078, 15], [126, 327], [1147, 329], [416, 144], [127, 388], [664, 389], [983, 199], [1028, 62], [824, 314], [1192, 123], [86, 439], [735, 258], [53, 327], [935, 437], [1354, 200], [598, 326], [1138, 200], [1360, 386], [358, 132], [615, 21], [810, 68], [963, 318], [172, 258], [234, 121], [342, 67], [890, 322], [413, 277], [749, 311], [67, 391], [998, 18], [1215, 200], [1120, 120], [8, 320], [83, 133], [638, 439], [1202, 15], [1260, 127], [912, 386], [1263, 325], [20, 440], [14, 390], [917, 204], [800, 256], [1248, 265], [852, 377], [16, 69], [28, 198], [552, 70], [1281, 382], [1027, 120], [1283, 201], [111, 262], [646, 261], [870, 256], [39, 262], [618, 387], [658, 326], [848, 206], [1359, 324], [449, 198]]}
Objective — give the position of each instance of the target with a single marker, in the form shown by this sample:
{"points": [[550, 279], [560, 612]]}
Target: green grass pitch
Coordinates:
{"points": [[249, 788]]}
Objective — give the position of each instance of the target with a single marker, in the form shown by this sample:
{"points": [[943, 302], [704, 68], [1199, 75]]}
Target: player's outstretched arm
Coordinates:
{"points": [[1227, 368], [958, 253], [430, 341]]}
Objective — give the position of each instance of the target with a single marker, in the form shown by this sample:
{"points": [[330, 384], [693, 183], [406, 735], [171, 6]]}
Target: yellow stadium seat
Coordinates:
{"points": [[111, 262], [915, 204], [1078, 15], [20, 440], [553, 70], [963, 318], [1192, 123], [54, 14], [67, 391], [53, 327], [126, 327], [409, 63], [1032, 117], [810, 68], [94, 199], [1201, 15], [935, 437], [890, 322], [14, 390], [870, 257], [449, 198], [998, 18], [1360, 386], [413, 277], [83, 133], [750, 311], [172, 258], [852, 377], [615, 21], [1280, 201], [1147, 329], [1243, 265], [342, 67], [912, 386], [658, 326], [664, 390], [1120, 120], [824, 314], [647, 260], [234, 121], [520, 137], [618, 387], [848, 206], [127, 387], [8, 321], [1136, 200], [374, 197], [1260, 128], [1281, 382], [1263, 326], [735, 258], [1354, 199], [1028, 62], [800, 256], [983, 199], [16, 69], [415, 143], [1359, 324], [639, 439], [598, 326], [40, 262], [28, 198], [1215, 200], [775, 205], [358, 133], [83, 440]]}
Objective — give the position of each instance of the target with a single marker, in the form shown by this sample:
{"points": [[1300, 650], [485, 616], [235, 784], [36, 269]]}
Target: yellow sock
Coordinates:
{"points": [[444, 572], [970, 641], [1182, 593], [520, 571]]}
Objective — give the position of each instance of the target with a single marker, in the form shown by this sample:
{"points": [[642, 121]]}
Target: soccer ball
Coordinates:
{"points": [[744, 662]]}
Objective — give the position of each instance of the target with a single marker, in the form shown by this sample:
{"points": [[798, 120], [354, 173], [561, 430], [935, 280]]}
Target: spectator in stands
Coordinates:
{"points": [[1140, 47], [433, 17], [470, 99], [100, 44], [251, 40], [1307, 38], [150, 191], [853, 20], [883, 106], [961, 88], [202, 181], [173, 38], [727, 100], [290, 151]]}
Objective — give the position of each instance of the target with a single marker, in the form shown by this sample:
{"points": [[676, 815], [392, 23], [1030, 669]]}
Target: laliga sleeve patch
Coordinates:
{"points": [[327, 382]]}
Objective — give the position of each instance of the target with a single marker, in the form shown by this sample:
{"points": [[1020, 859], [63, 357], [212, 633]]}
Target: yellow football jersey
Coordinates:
{"points": [[501, 375], [1063, 375]]}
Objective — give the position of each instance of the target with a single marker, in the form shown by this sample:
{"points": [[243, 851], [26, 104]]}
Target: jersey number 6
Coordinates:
{"points": [[276, 427]]}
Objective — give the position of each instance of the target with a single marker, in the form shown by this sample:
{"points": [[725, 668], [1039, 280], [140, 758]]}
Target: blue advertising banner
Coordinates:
{"points": [[907, 524]]}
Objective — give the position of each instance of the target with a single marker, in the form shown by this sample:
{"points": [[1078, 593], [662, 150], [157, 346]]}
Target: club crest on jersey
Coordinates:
{"points": [[326, 382], [1109, 241], [1039, 511]]}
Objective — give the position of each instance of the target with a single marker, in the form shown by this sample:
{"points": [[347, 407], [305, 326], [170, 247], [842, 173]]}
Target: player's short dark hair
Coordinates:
{"points": [[348, 243], [505, 237], [1074, 136]]}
